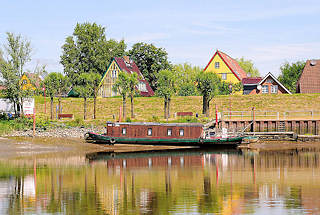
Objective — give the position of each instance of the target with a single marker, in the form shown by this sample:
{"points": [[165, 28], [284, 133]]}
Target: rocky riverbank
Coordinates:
{"points": [[72, 132]]}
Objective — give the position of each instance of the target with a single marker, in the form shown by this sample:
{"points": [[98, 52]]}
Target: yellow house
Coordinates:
{"points": [[109, 78], [226, 68], [26, 83]]}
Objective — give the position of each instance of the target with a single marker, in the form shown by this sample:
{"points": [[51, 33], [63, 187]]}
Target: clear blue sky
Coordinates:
{"points": [[267, 32]]}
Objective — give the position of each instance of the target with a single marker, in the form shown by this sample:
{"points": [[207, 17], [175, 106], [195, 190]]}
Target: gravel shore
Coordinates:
{"points": [[74, 132]]}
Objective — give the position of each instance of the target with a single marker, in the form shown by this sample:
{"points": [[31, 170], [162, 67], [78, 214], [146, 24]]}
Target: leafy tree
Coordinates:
{"points": [[290, 74], [186, 76], [248, 67], [209, 85], [133, 82], [225, 88], [51, 82], [121, 86], [150, 60], [87, 50], [62, 87], [85, 89], [18, 53], [166, 89]]}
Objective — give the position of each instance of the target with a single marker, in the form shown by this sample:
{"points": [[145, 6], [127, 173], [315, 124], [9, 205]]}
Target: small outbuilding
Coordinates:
{"points": [[266, 85], [309, 80]]}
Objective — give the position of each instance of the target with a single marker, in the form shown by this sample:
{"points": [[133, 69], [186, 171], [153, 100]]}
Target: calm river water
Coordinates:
{"points": [[190, 181]]}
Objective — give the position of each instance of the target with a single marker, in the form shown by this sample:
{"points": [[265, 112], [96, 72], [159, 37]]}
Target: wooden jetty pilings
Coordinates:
{"points": [[303, 127]]}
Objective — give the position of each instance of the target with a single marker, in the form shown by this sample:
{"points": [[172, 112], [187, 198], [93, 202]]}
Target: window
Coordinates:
{"points": [[265, 89], [169, 132], [181, 132], [124, 131], [114, 73], [224, 76], [274, 89], [149, 131], [216, 65], [142, 87]]}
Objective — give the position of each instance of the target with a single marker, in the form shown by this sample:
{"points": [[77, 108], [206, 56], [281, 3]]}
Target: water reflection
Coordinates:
{"points": [[195, 181]]}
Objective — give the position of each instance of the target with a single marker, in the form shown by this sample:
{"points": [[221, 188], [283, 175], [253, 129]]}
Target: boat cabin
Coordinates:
{"points": [[155, 130]]}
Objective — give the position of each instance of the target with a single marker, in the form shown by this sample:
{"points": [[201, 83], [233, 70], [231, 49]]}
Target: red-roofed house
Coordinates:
{"points": [[110, 76], [267, 85], [309, 80], [226, 68]]}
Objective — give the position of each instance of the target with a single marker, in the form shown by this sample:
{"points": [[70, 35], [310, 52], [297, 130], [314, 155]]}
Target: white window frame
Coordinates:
{"points": [[169, 131], [124, 131], [149, 132], [224, 76], [265, 89], [217, 65], [181, 132], [274, 89]]}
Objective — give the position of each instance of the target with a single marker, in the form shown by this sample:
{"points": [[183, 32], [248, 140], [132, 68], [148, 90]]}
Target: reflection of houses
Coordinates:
{"points": [[109, 78], [226, 68], [267, 85], [309, 80]]}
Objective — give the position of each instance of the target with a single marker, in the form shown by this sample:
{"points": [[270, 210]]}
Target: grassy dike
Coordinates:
{"points": [[151, 109]]}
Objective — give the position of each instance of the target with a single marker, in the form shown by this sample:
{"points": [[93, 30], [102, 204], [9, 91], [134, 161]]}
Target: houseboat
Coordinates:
{"points": [[178, 134]]}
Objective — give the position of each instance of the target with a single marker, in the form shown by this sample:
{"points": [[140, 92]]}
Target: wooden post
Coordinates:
{"points": [[34, 122]]}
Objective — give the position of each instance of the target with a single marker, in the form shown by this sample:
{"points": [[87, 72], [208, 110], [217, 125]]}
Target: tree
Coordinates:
{"points": [[87, 50], [62, 87], [51, 82], [209, 85], [133, 82], [290, 74], [248, 67], [166, 89], [85, 89], [186, 76], [121, 86], [17, 53], [150, 60]]}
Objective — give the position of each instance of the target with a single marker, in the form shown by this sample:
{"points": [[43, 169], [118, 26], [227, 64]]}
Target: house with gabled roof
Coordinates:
{"points": [[227, 68], [110, 76], [266, 85], [30, 81], [309, 80]]}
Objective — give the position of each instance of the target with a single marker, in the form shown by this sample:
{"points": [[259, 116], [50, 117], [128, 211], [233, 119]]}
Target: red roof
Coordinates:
{"points": [[251, 80], [309, 81], [128, 65], [233, 65]]}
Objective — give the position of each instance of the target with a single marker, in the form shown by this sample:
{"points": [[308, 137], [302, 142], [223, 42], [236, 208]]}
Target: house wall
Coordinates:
{"points": [[105, 89], [223, 68], [26, 83], [280, 89]]}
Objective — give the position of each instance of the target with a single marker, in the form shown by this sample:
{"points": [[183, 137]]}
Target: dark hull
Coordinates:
{"points": [[104, 139]]}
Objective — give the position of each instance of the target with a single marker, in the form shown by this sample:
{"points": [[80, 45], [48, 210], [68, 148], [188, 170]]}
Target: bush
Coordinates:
{"points": [[128, 119]]}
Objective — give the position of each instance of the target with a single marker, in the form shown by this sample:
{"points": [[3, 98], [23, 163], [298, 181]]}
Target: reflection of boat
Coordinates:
{"points": [[180, 134], [172, 157]]}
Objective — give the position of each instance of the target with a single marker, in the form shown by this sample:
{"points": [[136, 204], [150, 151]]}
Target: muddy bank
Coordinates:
{"points": [[279, 145], [44, 147]]}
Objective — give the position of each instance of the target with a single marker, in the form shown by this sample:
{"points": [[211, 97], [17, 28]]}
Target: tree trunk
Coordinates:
{"points": [[21, 103], [205, 106], [51, 108], [165, 108], [124, 108], [94, 106], [84, 108], [132, 113], [59, 104], [169, 101]]}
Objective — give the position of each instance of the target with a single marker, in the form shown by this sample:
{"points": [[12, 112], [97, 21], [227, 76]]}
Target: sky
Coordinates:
{"points": [[269, 33]]}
